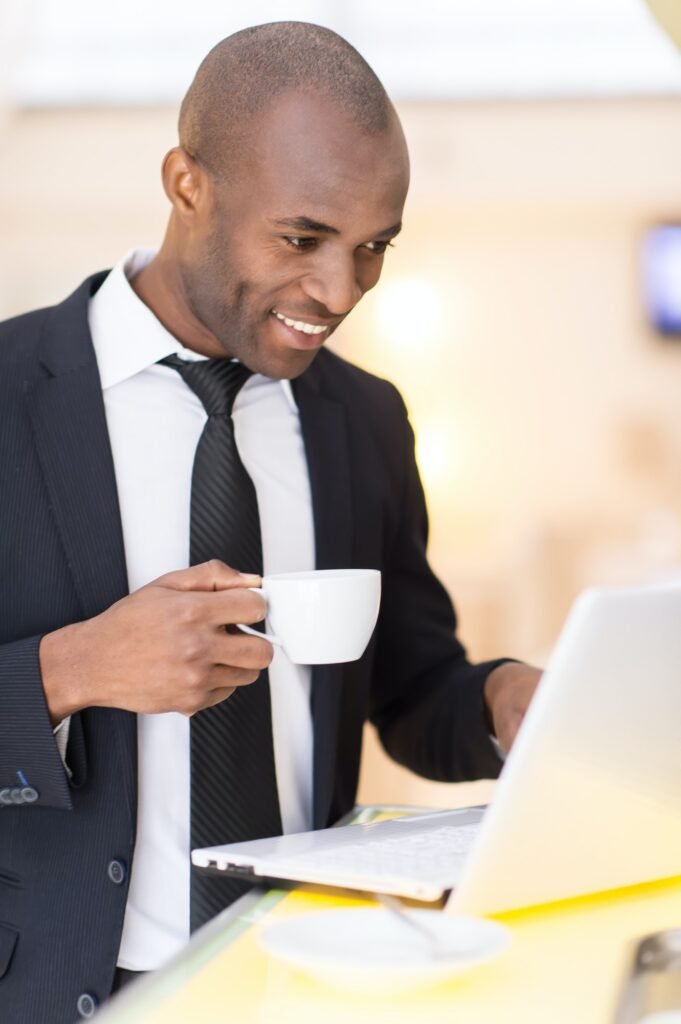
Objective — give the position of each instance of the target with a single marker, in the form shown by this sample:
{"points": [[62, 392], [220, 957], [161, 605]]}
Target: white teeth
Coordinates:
{"points": [[300, 325]]}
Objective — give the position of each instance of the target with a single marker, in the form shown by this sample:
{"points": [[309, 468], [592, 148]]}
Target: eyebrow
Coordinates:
{"points": [[308, 224]]}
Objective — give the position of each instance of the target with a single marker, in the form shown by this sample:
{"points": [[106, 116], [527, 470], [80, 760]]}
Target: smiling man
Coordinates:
{"points": [[170, 431], [266, 256]]}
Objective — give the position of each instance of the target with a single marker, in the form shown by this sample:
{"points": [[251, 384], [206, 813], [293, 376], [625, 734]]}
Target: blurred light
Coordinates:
{"points": [[662, 277], [436, 454], [409, 311]]}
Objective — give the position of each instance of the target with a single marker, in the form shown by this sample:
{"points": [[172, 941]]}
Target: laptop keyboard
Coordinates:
{"points": [[426, 855]]}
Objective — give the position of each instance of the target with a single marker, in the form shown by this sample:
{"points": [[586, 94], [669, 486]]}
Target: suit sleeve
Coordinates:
{"points": [[427, 698], [31, 769]]}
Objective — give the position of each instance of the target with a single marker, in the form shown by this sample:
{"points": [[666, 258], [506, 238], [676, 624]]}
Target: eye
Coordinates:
{"points": [[300, 242], [378, 248]]}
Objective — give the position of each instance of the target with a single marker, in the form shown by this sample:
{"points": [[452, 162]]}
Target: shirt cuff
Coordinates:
{"points": [[61, 736], [501, 753]]}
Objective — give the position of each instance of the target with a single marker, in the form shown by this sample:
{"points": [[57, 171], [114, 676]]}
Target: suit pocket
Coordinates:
{"points": [[8, 940]]}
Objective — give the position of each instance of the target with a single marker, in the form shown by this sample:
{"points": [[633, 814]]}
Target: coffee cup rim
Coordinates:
{"points": [[317, 574]]}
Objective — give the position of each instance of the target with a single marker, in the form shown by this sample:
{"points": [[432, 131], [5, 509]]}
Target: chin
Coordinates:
{"points": [[282, 366]]}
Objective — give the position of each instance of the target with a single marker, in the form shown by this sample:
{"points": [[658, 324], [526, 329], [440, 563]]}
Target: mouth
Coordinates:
{"points": [[303, 326], [301, 333]]}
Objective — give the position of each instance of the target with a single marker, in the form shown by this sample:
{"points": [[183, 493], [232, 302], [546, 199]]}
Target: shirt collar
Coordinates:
{"points": [[126, 335]]}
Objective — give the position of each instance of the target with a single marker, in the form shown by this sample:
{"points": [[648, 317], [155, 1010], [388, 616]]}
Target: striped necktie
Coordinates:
{"points": [[233, 779]]}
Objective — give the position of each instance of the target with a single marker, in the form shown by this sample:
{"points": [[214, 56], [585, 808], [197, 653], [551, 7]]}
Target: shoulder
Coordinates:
{"points": [[24, 338], [20, 335]]}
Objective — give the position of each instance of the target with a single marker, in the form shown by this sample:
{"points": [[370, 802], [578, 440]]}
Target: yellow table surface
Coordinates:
{"points": [[565, 965]]}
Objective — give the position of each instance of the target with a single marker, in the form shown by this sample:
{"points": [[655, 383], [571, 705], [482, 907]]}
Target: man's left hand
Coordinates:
{"points": [[508, 692]]}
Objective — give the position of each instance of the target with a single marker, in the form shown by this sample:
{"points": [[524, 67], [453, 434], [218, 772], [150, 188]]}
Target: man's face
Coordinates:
{"points": [[285, 249]]}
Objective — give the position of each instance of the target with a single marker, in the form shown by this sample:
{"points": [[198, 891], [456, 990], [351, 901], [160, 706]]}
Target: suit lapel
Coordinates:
{"points": [[70, 434], [66, 411], [325, 434]]}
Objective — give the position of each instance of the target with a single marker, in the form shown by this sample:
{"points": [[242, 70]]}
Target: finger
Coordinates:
{"points": [[510, 731], [222, 677], [227, 608], [214, 575], [215, 697], [240, 650], [221, 681], [224, 681]]}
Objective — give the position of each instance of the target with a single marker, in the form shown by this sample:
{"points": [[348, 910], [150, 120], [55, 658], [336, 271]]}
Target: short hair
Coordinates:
{"points": [[245, 72]]}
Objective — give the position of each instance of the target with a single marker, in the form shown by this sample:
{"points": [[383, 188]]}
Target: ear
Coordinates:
{"points": [[184, 181]]}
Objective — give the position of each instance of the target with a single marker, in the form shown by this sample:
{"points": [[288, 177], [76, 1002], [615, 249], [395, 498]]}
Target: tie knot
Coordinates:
{"points": [[215, 381]]}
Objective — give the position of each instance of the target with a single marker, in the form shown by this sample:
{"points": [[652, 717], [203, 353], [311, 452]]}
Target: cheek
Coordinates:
{"points": [[369, 273]]}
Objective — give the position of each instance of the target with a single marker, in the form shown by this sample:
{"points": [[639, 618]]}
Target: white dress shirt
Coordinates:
{"points": [[154, 422]]}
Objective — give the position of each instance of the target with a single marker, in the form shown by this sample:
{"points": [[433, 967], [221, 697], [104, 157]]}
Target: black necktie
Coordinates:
{"points": [[233, 780]]}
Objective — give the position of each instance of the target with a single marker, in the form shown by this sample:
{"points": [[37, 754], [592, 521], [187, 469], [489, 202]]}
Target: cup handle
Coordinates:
{"points": [[257, 632]]}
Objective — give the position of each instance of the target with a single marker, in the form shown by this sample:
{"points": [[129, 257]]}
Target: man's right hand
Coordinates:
{"points": [[163, 648]]}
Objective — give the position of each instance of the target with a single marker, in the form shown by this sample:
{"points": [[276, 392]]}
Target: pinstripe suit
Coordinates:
{"points": [[62, 899]]}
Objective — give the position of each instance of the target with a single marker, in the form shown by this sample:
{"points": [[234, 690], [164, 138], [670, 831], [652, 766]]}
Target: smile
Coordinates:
{"points": [[300, 325]]}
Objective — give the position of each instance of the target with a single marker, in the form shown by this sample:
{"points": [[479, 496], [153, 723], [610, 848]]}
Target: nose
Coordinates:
{"points": [[334, 283]]}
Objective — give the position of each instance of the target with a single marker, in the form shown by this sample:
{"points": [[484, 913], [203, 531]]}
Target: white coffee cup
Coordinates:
{"points": [[323, 616]]}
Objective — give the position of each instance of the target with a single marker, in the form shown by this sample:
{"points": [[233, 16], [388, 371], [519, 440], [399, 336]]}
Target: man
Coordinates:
{"points": [[286, 190]]}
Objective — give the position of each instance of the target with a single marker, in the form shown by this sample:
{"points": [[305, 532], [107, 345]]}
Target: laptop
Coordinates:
{"points": [[589, 798]]}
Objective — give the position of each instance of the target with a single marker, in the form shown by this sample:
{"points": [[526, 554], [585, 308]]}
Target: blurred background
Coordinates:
{"points": [[530, 311]]}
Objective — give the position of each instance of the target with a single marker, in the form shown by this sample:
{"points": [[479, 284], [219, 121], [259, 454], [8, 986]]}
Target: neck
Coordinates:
{"points": [[159, 286]]}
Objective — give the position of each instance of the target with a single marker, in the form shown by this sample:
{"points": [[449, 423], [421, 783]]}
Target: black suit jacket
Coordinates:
{"points": [[62, 561]]}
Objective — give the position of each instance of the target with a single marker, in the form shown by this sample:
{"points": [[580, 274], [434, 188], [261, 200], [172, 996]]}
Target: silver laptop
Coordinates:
{"points": [[589, 798]]}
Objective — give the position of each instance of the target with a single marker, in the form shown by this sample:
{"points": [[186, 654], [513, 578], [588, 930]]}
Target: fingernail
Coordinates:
{"points": [[251, 577]]}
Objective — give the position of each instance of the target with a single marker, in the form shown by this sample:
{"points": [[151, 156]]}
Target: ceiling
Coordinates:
{"points": [[66, 52]]}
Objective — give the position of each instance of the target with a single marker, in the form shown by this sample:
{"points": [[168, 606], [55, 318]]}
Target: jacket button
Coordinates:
{"points": [[5, 797], [29, 794], [87, 1004], [16, 795], [116, 871]]}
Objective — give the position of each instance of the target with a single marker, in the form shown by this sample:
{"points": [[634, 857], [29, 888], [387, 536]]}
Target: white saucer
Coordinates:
{"points": [[369, 950]]}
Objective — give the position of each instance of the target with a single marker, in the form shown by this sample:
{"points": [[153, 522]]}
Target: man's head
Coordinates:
{"points": [[287, 186]]}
